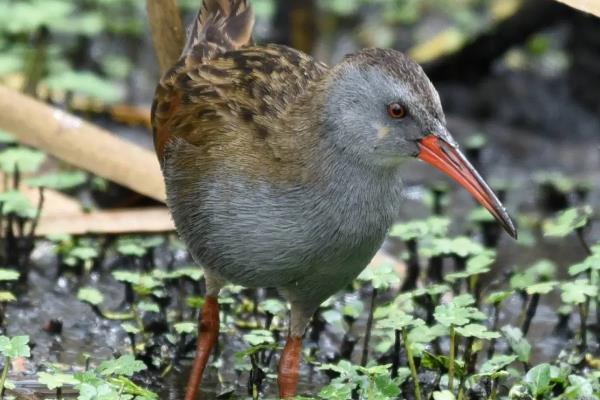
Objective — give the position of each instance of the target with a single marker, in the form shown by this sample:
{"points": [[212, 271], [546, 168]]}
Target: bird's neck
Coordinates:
{"points": [[362, 196]]}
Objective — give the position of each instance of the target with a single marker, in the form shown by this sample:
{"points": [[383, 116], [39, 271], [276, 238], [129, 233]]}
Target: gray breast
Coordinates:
{"points": [[257, 234]]}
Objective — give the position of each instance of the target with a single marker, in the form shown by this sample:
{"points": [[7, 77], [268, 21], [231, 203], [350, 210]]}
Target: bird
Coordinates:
{"points": [[284, 172]]}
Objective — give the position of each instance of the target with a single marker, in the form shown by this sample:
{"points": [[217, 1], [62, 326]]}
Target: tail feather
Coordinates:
{"points": [[224, 24]]}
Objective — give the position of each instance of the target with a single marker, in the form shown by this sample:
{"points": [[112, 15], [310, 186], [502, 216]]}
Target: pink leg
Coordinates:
{"points": [[208, 334], [289, 367]]}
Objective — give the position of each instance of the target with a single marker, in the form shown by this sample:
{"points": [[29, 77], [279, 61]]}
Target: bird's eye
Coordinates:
{"points": [[397, 111]]}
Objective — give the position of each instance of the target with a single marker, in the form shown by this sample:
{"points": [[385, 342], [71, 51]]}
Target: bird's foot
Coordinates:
{"points": [[208, 334], [289, 368]]}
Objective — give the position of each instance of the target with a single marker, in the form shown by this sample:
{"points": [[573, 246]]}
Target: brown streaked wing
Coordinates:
{"points": [[246, 92]]}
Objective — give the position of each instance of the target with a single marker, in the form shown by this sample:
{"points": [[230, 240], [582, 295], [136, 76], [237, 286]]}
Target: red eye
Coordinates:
{"points": [[397, 111]]}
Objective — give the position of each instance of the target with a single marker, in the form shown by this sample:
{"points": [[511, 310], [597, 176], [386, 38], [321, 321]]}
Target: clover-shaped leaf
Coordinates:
{"points": [[65, 180], [399, 321], [193, 273], [497, 363], [56, 380], [443, 395], [477, 265], [17, 346], [185, 327], [568, 221], [458, 312], [9, 275], [26, 160], [381, 277], [7, 297], [541, 288], [131, 328], [146, 306], [477, 331], [90, 295], [125, 365], [498, 297], [272, 306], [16, 203], [431, 227], [258, 337], [591, 263], [577, 292]]}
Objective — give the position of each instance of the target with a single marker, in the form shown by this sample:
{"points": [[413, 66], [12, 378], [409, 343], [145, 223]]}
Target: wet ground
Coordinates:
{"points": [[511, 155]]}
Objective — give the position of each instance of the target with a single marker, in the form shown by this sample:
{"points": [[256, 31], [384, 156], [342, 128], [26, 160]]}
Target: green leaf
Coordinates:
{"points": [[85, 83], [538, 380], [27, 160], [580, 388], [477, 265], [130, 328], [381, 277], [185, 327], [435, 226], [578, 291], [133, 278], [125, 365], [517, 342], [523, 280], [90, 295], [541, 288], [591, 263], [567, 222], [14, 202], [56, 380], [131, 248], [353, 308], [458, 312], [478, 331], [14, 347], [83, 253], [240, 355], [258, 337], [9, 275], [498, 297], [399, 321], [497, 363], [146, 306], [441, 363], [193, 273], [443, 395], [7, 297], [273, 307], [461, 246], [59, 181]]}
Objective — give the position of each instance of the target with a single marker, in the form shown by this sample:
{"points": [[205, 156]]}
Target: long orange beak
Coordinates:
{"points": [[448, 159]]}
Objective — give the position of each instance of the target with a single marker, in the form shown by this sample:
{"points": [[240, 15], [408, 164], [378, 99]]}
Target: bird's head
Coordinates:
{"points": [[381, 109]]}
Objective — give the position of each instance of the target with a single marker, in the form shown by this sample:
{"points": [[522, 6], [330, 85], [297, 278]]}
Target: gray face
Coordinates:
{"points": [[357, 116]]}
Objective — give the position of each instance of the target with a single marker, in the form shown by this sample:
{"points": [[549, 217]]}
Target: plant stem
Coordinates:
{"points": [[583, 314], [495, 318], [365, 352], [414, 268], [411, 364], [494, 389], [4, 375], [451, 358], [531, 309], [396, 359], [583, 242]]}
